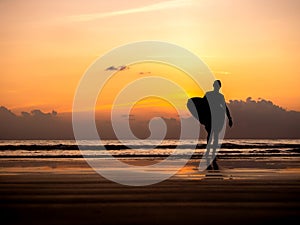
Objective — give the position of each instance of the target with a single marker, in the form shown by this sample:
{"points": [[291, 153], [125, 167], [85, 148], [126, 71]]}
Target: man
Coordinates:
{"points": [[215, 121]]}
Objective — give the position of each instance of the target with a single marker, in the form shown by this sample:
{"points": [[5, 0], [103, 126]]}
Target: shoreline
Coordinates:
{"points": [[68, 191]]}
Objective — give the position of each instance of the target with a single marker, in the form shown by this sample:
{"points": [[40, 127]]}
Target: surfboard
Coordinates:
{"points": [[199, 108]]}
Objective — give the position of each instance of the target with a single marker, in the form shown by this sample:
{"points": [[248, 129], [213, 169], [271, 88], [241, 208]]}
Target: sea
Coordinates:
{"points": [[146, 148]]}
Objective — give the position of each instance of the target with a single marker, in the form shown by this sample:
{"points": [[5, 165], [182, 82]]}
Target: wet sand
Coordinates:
{"points": [[242, 191]]}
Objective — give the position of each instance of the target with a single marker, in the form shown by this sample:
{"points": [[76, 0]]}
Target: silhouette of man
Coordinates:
{"points": [[216, 118]]}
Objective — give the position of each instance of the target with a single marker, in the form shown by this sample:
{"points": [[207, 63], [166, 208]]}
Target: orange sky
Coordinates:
{"points": [[253, 46]]}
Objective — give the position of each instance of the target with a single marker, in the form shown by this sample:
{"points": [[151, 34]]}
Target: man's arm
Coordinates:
{"points": [[228, 115]]}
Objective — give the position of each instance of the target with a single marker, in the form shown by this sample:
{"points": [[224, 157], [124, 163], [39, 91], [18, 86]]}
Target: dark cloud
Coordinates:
{"points": [[39, 113], [119, 68], [130, 116], [144, 73], [252, 119], [123, 68], [111, 68], [34, 125], [262, 119]]}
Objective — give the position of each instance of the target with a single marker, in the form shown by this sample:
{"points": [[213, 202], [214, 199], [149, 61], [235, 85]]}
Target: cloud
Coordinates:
{"points": [[252, 119], [130, 117], [39, 113], [144, 73], [119, 68], [34, 125], [148, 8], [123, 68], [262, 119], [111, 68]]}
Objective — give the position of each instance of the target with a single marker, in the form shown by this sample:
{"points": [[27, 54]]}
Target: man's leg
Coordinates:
{"points": [[208, 140], [208, 146], [215, 144]]}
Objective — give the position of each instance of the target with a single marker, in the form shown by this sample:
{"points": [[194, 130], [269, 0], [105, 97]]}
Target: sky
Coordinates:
{"points": [[253, 46]]}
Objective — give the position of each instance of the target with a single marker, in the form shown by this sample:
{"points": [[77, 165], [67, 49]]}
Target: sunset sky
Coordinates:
{"points": [[253, 46]]}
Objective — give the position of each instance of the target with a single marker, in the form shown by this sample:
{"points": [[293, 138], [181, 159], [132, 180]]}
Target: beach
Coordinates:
{"points": [[249, 190], [149, 112]]}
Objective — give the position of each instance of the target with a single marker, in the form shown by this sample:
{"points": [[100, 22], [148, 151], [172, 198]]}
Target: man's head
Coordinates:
{"points": [[217, 85]]}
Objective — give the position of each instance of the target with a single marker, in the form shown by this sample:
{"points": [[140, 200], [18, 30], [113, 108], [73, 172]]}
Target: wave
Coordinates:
{"points": [[156, 156], [295, 147]]}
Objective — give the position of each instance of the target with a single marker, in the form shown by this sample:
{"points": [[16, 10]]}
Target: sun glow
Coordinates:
{"points": [[46, 46]]}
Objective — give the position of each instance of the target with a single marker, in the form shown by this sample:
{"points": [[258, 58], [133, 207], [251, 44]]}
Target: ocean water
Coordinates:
{"points": [[142, 149]]}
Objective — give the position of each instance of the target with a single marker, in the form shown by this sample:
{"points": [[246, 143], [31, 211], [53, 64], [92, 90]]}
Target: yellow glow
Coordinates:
{"points": [[122, 79], [46, 46]]}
